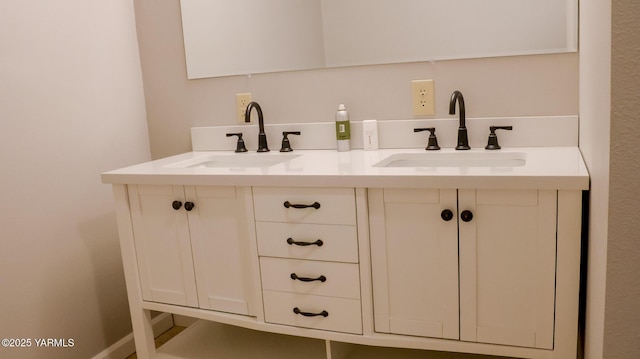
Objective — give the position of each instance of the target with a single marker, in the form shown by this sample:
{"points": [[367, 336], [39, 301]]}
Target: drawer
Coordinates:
{"points": [[342, 315], [338, 243], [334, 205], [294, 275]]}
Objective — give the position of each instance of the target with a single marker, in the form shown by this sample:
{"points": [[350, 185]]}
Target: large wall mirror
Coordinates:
{"points": [[237, 37]]}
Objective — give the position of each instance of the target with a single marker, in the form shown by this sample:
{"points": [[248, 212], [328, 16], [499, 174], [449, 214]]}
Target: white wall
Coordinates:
{"points": [[609, 107], [71, 107], [595, 107]]}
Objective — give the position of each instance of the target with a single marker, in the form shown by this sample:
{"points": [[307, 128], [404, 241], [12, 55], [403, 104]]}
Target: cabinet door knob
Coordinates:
{"points": [[466, 216], [288, 204], [318, 243], [176, 205], [447, 215], [189, 206], [305, 279], [324, 313]]}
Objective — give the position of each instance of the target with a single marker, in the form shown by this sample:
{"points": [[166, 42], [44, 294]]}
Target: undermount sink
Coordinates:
{"points": [[454, 159], [240, 160]]}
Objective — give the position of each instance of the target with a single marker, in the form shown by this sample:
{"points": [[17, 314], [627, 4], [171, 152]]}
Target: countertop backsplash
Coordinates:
{"points": [[541, 131]]}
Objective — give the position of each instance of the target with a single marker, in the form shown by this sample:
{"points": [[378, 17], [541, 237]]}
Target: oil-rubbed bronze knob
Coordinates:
{"points": [[447, 215], [240, 144], [286, 144], [189, 206], [432, 145], [466, 216], [176, 205], [492, 143]]}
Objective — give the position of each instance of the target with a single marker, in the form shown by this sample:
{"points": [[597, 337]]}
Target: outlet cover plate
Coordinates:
{"points": [[423, 97], [242, 101]]}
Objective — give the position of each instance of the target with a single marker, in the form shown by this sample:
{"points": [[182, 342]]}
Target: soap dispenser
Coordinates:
{"points": [[343, 129]]}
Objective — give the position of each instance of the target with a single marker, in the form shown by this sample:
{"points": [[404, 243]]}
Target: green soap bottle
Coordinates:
{"points": [[343, 129]]}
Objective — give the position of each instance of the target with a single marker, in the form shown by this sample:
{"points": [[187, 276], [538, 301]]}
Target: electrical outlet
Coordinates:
{"points": [[242, 101], [423, 97]]}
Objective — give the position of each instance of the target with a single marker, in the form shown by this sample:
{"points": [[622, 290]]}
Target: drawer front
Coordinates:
{"points": [[334, 205], [343, 315], [291, 240], [310, 277]]}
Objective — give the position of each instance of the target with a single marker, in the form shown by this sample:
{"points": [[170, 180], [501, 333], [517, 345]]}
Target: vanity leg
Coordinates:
{"points": [[337, 350], [140, 318], [568, 273], [143, 333]]}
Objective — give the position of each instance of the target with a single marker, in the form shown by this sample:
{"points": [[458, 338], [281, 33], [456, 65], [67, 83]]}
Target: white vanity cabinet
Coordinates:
{"points": [[473, 265], [352, 261], [488, 271], [308, 248], [192, 245]]}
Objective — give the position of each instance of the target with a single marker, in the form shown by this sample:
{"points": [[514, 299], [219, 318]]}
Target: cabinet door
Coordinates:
{"points": [[414, 262], [163, 248], [220, 226], [507, 267]]}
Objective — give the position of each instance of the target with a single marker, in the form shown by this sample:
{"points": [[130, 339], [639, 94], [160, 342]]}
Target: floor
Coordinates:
{"points": [[162, 338]]}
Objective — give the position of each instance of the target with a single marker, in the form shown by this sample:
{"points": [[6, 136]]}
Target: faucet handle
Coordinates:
{"points": [[240, 145], [433, 140], [286, 145], [492, 143]]}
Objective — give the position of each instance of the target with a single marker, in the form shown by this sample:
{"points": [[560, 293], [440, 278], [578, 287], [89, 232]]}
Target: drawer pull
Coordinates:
{"points": [[318, 243], [288, 204], [305, 279], [324, 313]]}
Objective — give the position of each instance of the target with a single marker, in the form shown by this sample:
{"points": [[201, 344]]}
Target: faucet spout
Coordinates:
{"points": [[463, 140], [262, 136]]}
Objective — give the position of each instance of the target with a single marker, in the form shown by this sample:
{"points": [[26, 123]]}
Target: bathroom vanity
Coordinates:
{"points": [[360, 254]]}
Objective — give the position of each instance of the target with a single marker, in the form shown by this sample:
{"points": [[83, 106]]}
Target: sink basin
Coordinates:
{"points": [[454, 159], [240, 160]]}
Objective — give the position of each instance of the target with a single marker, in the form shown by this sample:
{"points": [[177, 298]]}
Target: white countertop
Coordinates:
{"points": [[545, 168]]}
